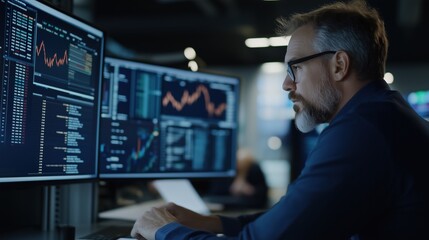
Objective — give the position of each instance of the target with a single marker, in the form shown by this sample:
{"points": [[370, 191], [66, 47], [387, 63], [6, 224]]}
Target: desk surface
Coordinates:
{"points": [[132, 212], [124, 216]]}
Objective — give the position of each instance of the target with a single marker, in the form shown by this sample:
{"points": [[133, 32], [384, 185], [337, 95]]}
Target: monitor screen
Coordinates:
{"points": [[419, 101], [163, 122], [51, 68]]}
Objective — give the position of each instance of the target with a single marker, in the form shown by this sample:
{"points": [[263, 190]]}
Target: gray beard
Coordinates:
{"points": [[304, 121], [311, 115]]}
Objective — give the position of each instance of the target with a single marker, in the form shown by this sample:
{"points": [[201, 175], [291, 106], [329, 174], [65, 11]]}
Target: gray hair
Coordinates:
{"points": [[352, 27]]}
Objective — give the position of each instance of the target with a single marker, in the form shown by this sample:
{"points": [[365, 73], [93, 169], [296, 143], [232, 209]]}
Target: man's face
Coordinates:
{"points": [[313, 93]]}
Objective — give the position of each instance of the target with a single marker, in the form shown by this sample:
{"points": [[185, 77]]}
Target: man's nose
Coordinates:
{"points": [[288, 84]]}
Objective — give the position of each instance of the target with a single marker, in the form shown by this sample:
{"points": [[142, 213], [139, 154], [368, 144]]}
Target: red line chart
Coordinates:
{"points": [[54, 60], [189, 99]]}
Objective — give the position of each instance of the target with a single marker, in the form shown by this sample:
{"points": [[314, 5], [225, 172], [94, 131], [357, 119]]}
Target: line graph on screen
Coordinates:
{"points": [[197, 100]]}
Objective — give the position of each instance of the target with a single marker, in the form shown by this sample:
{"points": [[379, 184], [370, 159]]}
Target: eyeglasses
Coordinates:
{"points": [[290, 71]]}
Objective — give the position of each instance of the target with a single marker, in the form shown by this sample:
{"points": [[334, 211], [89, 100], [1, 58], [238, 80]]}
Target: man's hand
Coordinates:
{"points": [[194, 220], [146, 226]]}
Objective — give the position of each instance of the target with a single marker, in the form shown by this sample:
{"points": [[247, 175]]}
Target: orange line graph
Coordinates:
{"points": [[188, 99], [50, 61]]}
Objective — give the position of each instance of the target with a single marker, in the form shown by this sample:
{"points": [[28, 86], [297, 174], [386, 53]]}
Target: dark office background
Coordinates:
{"points": [[216, 29]]}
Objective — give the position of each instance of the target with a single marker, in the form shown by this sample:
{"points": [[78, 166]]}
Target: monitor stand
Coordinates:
{"points": [[182, 193]]}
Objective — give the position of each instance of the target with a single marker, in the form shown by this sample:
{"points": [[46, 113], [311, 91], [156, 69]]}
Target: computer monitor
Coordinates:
{"points": [[50, 68], [164, 122], [419, 101]]}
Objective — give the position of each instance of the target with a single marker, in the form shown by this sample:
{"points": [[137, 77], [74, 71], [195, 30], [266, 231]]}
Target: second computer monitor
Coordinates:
{"points": [[163, 122]]}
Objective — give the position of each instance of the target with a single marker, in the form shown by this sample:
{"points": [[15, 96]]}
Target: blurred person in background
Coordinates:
{"points": [[248, 189]]}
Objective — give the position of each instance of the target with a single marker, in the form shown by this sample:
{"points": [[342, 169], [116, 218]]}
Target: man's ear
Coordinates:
{"points": [[341, 64]]}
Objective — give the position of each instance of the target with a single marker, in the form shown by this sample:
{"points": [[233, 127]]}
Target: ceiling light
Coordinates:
{"points": [[190, 53], [279, 41], [257, 42], [388, 77], [193, 66], [267, 42]]}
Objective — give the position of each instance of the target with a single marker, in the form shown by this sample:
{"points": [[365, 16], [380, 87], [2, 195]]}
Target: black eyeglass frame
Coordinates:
{"points": [[290, 71]]}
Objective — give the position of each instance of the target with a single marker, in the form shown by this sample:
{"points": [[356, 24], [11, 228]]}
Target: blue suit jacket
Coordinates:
{"points": [[367, 178]]}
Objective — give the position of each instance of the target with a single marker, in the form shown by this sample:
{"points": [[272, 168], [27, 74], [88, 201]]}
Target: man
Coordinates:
{"points": [[367, 175]]}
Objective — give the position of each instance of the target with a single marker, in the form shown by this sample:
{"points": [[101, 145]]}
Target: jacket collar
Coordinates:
{"points": [[373, 90]]}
